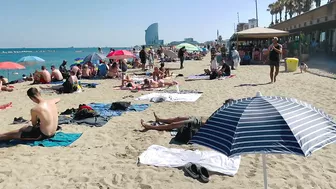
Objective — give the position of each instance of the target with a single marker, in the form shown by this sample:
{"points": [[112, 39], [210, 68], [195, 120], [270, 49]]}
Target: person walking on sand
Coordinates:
{"points": [[44, 120], [275, 50], [143, 57], [181, 53]]}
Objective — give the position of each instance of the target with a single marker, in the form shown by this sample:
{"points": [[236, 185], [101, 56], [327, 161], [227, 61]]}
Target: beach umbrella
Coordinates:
{"points": [[189, 47], [93, 58], [170, 53], [267, 124], [30, 60], [10, 66], [120, 54], [79, 60]]}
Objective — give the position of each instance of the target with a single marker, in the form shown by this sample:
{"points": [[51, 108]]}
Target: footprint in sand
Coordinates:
{"points": [[116, 179], [331, 170], [145, 186]]}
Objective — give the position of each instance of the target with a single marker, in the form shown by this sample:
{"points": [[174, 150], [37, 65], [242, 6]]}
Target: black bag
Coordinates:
{"points": [[120, 105], [213, 75], [185, 134]]}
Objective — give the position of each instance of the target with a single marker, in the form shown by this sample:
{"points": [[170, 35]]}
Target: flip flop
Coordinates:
{"points": [[192, 170], [203, 174]]}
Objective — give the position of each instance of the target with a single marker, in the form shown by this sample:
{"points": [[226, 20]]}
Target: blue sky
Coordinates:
{"points": [[89, 23]]}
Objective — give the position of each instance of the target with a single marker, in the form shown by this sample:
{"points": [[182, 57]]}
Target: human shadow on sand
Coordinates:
{"points": [[252, 84]]}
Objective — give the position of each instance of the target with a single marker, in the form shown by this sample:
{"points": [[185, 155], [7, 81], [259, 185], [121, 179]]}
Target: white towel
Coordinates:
{"points": [[172, 157], [172, 97], [198, 77]]}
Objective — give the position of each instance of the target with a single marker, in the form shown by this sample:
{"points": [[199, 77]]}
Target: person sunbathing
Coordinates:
{"points": [[3, 80], [45, 76], [56, 75], [5, 88], [150, 83], [157, 74], [114, 71], [175, 123], [86, 72], [44, 120], [69, 86], [166, 72]]}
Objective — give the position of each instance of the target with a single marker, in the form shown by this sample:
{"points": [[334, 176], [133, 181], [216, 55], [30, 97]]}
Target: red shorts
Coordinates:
{"points": [[42, 81]]}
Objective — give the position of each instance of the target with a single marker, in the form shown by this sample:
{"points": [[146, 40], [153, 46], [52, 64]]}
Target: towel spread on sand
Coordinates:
{"points": [[205, 77], [60, 139], [171, 97], [5, 106], [172, 157], [198, 77], [104, 112]]}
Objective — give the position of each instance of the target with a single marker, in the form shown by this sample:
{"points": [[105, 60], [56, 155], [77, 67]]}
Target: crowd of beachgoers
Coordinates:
{"points": [[117, 69]]}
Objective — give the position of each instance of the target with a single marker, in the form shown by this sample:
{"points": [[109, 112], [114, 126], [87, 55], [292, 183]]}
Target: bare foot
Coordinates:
{"points": [[156, 117], [146, 126], [274, 79]]}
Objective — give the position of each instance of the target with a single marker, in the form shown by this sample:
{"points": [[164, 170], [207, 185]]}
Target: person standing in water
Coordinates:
{"points": [[275, 50]]}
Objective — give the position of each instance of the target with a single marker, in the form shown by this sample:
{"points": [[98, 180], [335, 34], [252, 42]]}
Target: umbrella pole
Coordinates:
{"points": [[264, 170]]}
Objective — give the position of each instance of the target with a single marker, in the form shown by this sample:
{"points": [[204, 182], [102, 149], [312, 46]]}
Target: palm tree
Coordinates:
{"points": [[276, 11], [289, 4], [317, 3], [307, 5], [280, 7], [271, 10], [298, 6]]}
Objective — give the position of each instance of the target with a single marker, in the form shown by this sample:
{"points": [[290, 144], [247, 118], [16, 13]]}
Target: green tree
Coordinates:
{"points": [[271, 10]]}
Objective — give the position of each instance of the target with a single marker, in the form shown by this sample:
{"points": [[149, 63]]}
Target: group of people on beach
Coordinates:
{"points": [[44, 116]]}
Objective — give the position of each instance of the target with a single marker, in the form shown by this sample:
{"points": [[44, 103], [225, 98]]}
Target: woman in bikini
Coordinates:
{"points": [[150, 83]]}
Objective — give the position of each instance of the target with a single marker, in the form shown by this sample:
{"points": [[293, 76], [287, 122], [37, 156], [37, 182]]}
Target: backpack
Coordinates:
{"points": [[120, 105], [85, 113], [185, 134]]}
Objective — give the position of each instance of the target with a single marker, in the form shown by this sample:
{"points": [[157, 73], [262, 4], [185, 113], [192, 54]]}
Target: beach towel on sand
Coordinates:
{"points": [[205, 77], [172, 157], [60, 139], [104, 112], [171, 97]]}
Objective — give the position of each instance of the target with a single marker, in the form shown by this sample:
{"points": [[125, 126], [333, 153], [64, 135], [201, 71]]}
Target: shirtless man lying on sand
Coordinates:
{"points": [[44, 120], [175, 123]]}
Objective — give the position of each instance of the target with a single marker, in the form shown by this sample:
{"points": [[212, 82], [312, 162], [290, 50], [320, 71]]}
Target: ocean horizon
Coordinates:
{"points": [[52, 56]]}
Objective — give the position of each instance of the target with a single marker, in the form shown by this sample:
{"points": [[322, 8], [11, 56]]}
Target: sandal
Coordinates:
{"points": [[192, 170], [203, 174]]}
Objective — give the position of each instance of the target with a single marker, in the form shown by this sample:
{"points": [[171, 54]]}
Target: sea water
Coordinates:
{"points": [[52, 56]]}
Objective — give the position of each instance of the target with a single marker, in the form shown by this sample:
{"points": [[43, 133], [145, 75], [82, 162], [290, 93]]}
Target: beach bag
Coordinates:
{"points": [[213, 75], [185, 134], [120, 106], [85, 113]]}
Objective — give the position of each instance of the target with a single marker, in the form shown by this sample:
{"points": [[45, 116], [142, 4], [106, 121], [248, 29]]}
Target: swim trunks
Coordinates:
{"points": [[35, 132], [42, 81]]}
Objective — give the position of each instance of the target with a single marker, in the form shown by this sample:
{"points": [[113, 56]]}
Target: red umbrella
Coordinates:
{"points": [[10, 66], [120, 54]]}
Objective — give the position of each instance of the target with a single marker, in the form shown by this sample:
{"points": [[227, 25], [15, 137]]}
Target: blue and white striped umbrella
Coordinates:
{"points": [[267, 124]]}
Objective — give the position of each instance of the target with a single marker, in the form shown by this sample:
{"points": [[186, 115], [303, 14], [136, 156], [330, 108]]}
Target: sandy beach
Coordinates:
{"points": [[106, 157]]}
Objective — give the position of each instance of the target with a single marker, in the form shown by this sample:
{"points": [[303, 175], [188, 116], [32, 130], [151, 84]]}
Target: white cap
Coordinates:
{"points": [[258, 94]]}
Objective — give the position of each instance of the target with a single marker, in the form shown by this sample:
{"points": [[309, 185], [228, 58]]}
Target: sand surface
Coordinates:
{"points": [[106, 157]]}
